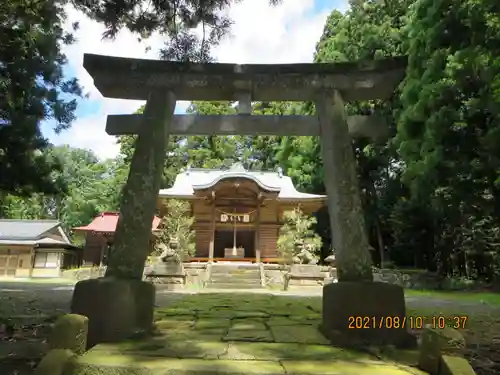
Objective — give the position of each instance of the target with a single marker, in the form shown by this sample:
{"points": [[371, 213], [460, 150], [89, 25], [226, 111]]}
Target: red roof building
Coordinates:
{"points": [[99, 236], [106, 223]]}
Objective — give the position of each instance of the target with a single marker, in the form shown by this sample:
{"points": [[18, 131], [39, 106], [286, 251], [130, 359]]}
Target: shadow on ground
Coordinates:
{"points": [[240, 334]]}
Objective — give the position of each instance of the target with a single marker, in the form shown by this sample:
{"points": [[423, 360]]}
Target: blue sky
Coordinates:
{"points": [[260, 34]]}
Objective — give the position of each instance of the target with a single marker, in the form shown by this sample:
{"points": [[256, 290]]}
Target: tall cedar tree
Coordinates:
{"points": [[32, 90]]}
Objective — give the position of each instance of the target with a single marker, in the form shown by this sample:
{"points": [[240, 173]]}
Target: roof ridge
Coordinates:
{"points": [[226, 170]]}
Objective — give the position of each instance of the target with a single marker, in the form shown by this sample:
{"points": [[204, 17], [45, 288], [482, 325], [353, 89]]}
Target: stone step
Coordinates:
{"points": [[226, 277], [252, 272], [232, 286], [103, 362], [235, 277], [231, 282], [232, 277], [236, 272], [226, 268], [229, 272]]}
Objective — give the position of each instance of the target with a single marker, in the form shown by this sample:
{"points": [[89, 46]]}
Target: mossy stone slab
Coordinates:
{"points": [[194, 335], [247, 325], [175, 319], [174, 324], [175, 311], [403, 356], [170, 349], [216, 314], [306, 317], [250, 314], [341, 368], [455, 365], [284, 321], [222, 331], [292, 351], [248, 335], [299, 334], [53, 363], [94, 363], [179, 330], [203, 324]]}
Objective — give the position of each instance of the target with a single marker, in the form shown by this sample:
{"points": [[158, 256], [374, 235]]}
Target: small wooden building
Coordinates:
{"points": [[99, 237], [35, 248], [237, 212]]}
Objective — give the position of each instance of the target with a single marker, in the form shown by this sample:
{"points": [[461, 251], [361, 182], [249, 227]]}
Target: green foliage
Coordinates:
{"points": [[92, 187], [32, 89], [254, 152], [449, 129], [297, 239], [176, 226]]}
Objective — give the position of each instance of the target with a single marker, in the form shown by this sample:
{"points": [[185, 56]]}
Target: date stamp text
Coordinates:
{"points": [[408, 322]]}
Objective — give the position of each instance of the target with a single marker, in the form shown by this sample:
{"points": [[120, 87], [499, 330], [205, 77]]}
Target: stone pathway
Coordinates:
{"points": [[238, 334]]}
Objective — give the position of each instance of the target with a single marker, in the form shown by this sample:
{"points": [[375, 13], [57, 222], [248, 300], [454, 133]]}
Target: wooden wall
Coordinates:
{"points": [[268, 237], [202, 235], [242, 200], [94, 245]]}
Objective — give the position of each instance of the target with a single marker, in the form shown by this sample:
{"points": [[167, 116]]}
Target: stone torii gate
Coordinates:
{"points": [[161, 84]]}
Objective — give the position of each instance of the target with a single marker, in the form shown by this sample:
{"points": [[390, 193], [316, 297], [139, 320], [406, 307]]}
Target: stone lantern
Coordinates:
{"points": [[332, 278], [174, 244]]}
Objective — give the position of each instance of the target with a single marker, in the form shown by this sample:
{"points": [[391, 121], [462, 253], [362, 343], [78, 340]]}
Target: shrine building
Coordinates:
{"points": [[99, 237], [238, 212]]}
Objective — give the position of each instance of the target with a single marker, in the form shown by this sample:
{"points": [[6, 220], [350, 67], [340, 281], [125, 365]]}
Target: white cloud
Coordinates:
{"points": [[260, 34], [265, 35]]}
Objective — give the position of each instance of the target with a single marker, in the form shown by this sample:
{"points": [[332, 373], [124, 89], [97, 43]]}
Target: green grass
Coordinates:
{"points": [[463, 296]]}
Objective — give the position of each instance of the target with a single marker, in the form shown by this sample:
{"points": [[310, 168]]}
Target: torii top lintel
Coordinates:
{"points": [[127, 78]]}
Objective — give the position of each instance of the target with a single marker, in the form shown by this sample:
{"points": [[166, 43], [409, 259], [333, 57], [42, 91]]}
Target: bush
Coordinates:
{"points": [[297, 242], [176, 227]]}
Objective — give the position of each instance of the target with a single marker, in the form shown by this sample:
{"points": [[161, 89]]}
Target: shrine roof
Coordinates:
{"points": [[106, 223], [187, 182], [39, 233]]}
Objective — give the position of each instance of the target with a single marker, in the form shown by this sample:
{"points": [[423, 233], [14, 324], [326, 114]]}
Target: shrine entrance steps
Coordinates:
{"points": [[234, 276]]}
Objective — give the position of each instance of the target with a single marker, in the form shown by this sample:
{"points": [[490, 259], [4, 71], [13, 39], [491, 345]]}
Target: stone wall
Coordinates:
{"points": [[83, 273], [411, 279], [274, 274], [195, 273]]}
